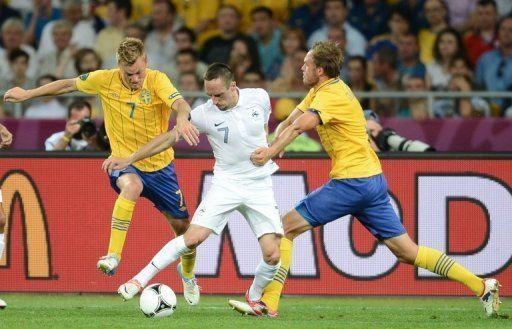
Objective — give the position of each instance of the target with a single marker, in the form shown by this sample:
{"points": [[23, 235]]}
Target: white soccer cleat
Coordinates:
{"points": [[491, 298], [190, 288], [129, 289], [108, 264], [241, 307], [2, 304]]}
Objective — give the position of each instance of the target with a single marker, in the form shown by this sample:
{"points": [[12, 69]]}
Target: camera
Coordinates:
{"points": [[389, 140], [87, 128]]}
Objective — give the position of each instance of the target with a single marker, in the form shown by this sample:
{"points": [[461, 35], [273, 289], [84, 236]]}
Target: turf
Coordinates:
{"points": [[108, 311]]}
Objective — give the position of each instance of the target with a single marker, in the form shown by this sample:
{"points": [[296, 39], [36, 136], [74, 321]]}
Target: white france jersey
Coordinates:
{"points": [[235, 133]]}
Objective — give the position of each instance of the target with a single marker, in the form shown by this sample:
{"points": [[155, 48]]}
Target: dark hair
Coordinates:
{"points": [[78, 104], [255, 71], [235, 9], [388, 56], [46, 77], [219, 71], [123, 5], [196, 77], [80, 54], [171, 8], [189, 32], [327, 56], [297, 31], [487, 3], [402, 13], [17, 53], [458, 39], [343, 2], [262, 9], [190, 52], [360, 59]]}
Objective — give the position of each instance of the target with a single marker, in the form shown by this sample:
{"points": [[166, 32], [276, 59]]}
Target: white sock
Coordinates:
{"points": [[168, 254], [2, 244], [264, 275]]}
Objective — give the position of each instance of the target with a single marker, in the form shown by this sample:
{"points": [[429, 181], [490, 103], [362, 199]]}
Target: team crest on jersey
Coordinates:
{"points": [[145, 96], [113, 94], [84, 76], [255, 114]]}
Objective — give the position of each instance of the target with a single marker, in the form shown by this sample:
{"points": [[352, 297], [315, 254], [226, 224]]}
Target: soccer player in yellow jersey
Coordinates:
{"points": [[357, 185], [137, 104]]}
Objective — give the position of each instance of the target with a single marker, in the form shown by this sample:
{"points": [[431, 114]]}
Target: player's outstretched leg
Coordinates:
{"points": [[437, 262]]}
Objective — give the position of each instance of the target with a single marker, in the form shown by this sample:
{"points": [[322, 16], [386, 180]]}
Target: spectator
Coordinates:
{"points": [[460, 13], [135, 31], [7, 12], [483, 35], [42, 13], [370, 17], [88, 60], [416, 108], [462, 66], [46, 107], [504, 8], [494, 68], [60, 62], [159, 42], [190, 81], [253, 79], [292, 41], [267, 39], [385, 74], [18, 62], [291, 77], [358, 79], [118, 15], [338, 35], [399, 23], [218, 48], [447, 47], [84, 34], [12, 38], [186, 61], [184, 38], [408, 55], [436, 14], [241, 59], [467, 107], [307, 18], [335, 15], [415, 8], [245, 7], [71, 138]]}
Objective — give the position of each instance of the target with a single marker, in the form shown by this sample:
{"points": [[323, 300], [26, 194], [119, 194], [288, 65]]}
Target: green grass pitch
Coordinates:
{"points": [[108, 311]]}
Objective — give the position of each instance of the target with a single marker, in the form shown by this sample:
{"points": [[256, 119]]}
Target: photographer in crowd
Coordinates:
{"points": [[386, 139], [80, 132]]}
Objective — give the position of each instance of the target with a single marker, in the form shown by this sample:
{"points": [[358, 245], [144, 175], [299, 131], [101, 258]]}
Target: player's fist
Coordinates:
{"points": [[114, 163], [15, 95], [260, 156], [5, 136]]}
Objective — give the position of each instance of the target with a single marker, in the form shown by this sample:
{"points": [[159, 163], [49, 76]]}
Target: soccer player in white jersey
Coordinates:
{"points": [[235, 122], [5, 141]]}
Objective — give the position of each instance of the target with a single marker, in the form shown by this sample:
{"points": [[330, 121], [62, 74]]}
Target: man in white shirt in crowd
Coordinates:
{"points": [[236, 123], [47, 107], [71, 138]]}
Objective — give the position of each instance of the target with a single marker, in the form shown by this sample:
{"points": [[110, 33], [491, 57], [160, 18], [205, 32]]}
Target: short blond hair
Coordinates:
{"points": [[129, 50], [327, 55]]}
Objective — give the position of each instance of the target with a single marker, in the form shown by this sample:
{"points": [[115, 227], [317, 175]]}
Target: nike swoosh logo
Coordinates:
{"points": [[218, 124]]}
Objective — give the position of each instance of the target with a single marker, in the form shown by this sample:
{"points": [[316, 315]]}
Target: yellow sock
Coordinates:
{"points": [[437, 262], [121, 217], [272, 293], [187, 264]]}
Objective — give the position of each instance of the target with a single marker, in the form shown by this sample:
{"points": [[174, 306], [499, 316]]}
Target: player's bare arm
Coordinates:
{"points": [[5, 137], [284, 124], [304, 121], [154, 146], [183, 126], [17, 94]]}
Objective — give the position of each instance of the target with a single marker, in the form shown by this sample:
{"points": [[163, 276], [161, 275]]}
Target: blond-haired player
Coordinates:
{"points": [[137, 104]]}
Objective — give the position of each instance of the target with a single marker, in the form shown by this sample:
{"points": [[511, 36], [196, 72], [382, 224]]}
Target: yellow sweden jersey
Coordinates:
{"points": [[132, 118], [343, 130]]}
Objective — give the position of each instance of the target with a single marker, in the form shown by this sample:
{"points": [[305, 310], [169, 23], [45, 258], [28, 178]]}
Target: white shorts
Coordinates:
{"points": [[254, 199]]}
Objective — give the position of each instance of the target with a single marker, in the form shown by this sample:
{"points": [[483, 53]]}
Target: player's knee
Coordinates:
{"points": [[192, 241], [272, 257], [132, 189]]}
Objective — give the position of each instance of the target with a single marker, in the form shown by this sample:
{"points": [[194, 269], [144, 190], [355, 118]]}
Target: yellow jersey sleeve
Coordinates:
{"points": [[304, 105], [90, 83], [165, 90]]}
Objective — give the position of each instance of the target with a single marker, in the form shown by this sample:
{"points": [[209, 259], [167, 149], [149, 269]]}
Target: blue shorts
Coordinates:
{"points": [[160, 187], [365, 198]]}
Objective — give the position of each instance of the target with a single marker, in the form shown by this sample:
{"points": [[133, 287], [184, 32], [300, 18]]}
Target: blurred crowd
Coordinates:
{"points": [[393, 45]]}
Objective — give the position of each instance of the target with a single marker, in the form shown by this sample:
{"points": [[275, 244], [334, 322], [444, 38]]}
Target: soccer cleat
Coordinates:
{"points": [[258, 307], [241, 307], [2, 304], [129, 289], [190, 288], [108, 264], [491, 298]]}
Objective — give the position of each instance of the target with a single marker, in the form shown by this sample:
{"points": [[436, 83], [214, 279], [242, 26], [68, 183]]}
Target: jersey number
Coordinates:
{"points": [[226, 133], [132, 109]]}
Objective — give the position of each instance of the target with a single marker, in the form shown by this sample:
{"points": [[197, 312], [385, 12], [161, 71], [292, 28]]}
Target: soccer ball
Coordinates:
{"points": [[157, 301]]}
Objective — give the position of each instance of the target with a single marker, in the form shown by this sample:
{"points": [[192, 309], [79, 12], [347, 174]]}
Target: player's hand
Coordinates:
{"points": [[6, 137], [115, 163], [260, 156], [188, 131], [16, 95]]}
